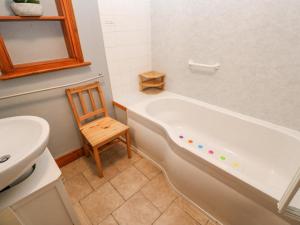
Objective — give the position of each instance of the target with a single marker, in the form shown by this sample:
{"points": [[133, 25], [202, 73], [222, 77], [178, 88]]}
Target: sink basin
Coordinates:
{"points": [[22, 140]]}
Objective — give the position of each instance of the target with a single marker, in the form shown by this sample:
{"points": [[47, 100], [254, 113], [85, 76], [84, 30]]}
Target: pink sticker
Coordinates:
{"points": [[211, 152]]}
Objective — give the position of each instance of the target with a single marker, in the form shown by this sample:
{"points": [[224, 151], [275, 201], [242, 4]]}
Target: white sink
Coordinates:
{"points": [[22, 139]]}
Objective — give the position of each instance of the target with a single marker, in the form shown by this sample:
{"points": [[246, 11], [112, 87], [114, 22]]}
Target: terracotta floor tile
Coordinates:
{"points": [[147, 168], [84, 220], [192, 210], [101, 203], [117, 155], [129, 182], [124, 163], [137, 211], [159, 192], [174, 215], [109, 221], [77, 187], [74, 168], [91, 174]]}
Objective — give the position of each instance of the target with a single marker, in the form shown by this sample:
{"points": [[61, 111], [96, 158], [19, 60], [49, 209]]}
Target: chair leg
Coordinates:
{"points": [[98, 161], [127, 134], [85, 147]]}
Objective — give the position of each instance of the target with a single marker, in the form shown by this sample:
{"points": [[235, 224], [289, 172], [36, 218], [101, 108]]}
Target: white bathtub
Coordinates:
{"points": [[233, 166]]}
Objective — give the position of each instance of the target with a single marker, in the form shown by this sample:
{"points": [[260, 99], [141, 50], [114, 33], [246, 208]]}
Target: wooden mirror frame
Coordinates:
{"points": [[67, 19]]}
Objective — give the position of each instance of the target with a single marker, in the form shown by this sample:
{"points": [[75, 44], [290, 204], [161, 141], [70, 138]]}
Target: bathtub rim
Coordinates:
{"points": [[170, 95]]}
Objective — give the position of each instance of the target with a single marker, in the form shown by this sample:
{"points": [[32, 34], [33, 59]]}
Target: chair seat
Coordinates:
{"points": [[103, 131]]}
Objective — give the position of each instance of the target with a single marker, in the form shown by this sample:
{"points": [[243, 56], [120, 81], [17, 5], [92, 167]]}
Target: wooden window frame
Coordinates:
{"points": [[67, 19]]}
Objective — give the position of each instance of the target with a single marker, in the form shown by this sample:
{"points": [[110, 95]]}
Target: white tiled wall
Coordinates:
{"points": [[127, 38], [257, 43]]}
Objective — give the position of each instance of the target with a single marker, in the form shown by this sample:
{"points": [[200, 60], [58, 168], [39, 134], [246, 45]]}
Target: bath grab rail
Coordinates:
{"points": [[51, 88], [288, 196], [213, 66]]}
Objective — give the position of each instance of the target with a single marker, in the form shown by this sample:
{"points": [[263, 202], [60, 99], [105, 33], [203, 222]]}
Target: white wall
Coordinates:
{"points": [[127, 39], [256, 41], [53, 105]]}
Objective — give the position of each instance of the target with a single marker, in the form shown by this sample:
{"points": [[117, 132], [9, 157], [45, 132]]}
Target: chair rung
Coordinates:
{"points": [[90, 114]]}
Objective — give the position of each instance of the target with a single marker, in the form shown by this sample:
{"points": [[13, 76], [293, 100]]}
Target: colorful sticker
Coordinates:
{"points": [[234, 165], [200, 146], [223, 158]]}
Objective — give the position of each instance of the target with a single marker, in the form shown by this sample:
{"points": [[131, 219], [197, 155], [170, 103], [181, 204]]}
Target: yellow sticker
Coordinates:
{"points": [[235, 165]]}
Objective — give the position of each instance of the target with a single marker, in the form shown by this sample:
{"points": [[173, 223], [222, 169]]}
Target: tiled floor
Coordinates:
{"points": [[132, 192]]}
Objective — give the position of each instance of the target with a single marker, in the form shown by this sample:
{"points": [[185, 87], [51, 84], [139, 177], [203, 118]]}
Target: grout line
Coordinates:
{"points": [[143, 172], [117, 176], [150, 199], [125, 201], [138, 189], [79, 200], [151, 203], [75, 161], [84, 213], [114, 218], [117, 190], [165, 210]]}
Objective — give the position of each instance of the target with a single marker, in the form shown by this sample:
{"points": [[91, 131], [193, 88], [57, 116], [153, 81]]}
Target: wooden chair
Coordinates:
{"points": [[96, 132]]}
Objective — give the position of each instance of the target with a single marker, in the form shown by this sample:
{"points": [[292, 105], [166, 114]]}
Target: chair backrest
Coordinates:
{"points": [[83, 93]]}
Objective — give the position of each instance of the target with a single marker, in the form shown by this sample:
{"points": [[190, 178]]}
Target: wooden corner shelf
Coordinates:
{"points": [[31, 18], [66, 17], [152, 83], [152, 79]]}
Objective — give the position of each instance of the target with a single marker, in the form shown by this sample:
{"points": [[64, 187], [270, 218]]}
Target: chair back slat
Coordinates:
{"points": [[82, 103], [102, 99], [92, 99], [85, 92]]}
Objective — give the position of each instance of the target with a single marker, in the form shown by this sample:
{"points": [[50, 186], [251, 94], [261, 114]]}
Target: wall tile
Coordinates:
{"points": [[127, 38]]}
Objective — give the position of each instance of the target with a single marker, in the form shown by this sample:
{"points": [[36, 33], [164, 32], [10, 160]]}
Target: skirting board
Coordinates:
{"points": [[69, 157]]}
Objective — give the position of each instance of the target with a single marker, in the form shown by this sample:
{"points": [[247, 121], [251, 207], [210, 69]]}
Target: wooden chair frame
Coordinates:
{"points": [[89, 89], [92, 147]]}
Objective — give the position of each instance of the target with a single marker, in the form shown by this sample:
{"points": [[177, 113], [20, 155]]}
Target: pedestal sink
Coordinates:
{"points": [[22, 140]]}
